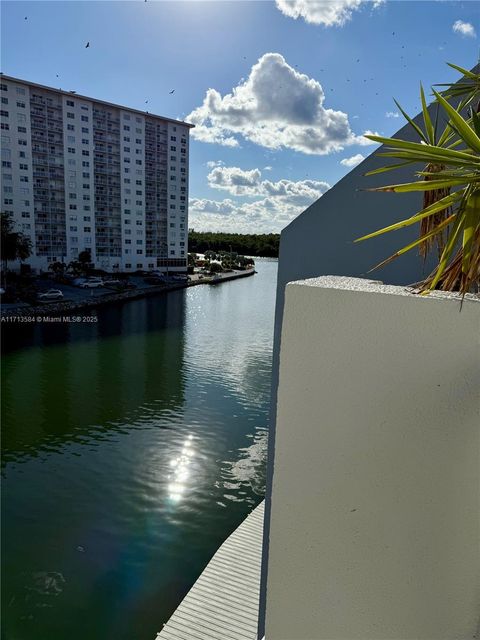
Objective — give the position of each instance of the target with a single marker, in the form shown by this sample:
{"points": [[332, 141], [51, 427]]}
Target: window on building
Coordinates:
{"points": [[70, 103], [20, 105], [84, 118], [70, 115]]}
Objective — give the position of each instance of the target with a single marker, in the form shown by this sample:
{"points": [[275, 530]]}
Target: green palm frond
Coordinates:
{"points": [[448, 220]]}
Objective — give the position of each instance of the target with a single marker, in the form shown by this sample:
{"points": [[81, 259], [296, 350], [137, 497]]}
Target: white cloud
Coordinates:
{"points": [[282, 201], [214, 163], [329, 13], [268, 215], [392, 114], [464, 28], [353, 160], [267, 168], [239, 182], [276, 107], [234, 179], [365, 142]]}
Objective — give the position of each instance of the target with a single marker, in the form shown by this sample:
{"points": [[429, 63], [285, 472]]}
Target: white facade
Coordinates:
{"points": [[81, 174], [374, 528]]}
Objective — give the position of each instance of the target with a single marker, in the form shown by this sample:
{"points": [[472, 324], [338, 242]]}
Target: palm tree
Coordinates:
{"points": [[449, 220], [14, 245]]}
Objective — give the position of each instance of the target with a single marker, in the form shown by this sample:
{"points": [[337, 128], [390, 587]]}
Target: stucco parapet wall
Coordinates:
{"points": [[344, 283], [374, 530]]}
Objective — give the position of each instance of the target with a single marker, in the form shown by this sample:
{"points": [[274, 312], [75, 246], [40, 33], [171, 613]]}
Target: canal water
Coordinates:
{"points": [[132, 447]]}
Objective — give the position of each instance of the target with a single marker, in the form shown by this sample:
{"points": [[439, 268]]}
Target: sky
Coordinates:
{"points": [[281, 92]]}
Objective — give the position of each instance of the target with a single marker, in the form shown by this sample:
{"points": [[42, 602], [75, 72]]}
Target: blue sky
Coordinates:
{"points": [[281, 92]]}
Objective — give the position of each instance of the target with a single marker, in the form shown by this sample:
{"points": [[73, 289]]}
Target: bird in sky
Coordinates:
{"points": [[87, 45], [58, 75], [172, 91], [26, 17], [146, 101]]}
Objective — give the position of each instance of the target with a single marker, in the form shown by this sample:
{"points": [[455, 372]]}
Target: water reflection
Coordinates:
{"points": [[55, 392], [132, 448], [181, 471]]}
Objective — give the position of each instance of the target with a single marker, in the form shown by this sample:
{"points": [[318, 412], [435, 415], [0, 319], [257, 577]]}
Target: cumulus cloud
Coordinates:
{"points": [[267, 215], [214, 163], [240, 182], [275, 107], [352, 161], [392, 114], [267, 168], [277, 203], [235, 180], [464, 28], [329, 13]]}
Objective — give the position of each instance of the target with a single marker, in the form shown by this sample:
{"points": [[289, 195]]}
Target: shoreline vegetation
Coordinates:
{"points": [[258, 245]]}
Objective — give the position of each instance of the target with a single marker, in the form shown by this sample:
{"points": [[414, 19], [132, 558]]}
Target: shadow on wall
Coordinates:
{"points": [[320, 241]]}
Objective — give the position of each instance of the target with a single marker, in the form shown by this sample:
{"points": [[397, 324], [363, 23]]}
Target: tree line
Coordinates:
{"points": [[262, 245]]}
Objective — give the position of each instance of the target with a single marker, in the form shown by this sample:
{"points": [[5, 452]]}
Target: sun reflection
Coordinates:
{"points": [[180, 471]]}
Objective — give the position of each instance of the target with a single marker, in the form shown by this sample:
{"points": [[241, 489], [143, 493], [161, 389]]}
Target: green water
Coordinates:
{"points": [[131, 449]]}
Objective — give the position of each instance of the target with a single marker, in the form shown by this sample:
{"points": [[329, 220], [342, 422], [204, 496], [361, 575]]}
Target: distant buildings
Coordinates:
{"points": [[82, 174]]}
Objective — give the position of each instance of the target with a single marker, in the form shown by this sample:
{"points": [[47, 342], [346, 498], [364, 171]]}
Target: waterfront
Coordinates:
{"points": [[132, 447]]}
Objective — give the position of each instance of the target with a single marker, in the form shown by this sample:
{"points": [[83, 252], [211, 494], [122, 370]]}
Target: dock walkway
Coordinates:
{"points": [[223, 602]]}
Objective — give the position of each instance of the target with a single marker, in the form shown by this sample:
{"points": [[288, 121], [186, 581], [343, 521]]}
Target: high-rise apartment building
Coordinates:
{"points": [[82, 174]]}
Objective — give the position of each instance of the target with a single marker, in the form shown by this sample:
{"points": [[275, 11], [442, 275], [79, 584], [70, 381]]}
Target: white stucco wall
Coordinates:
{"points": [[374, 530]]}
